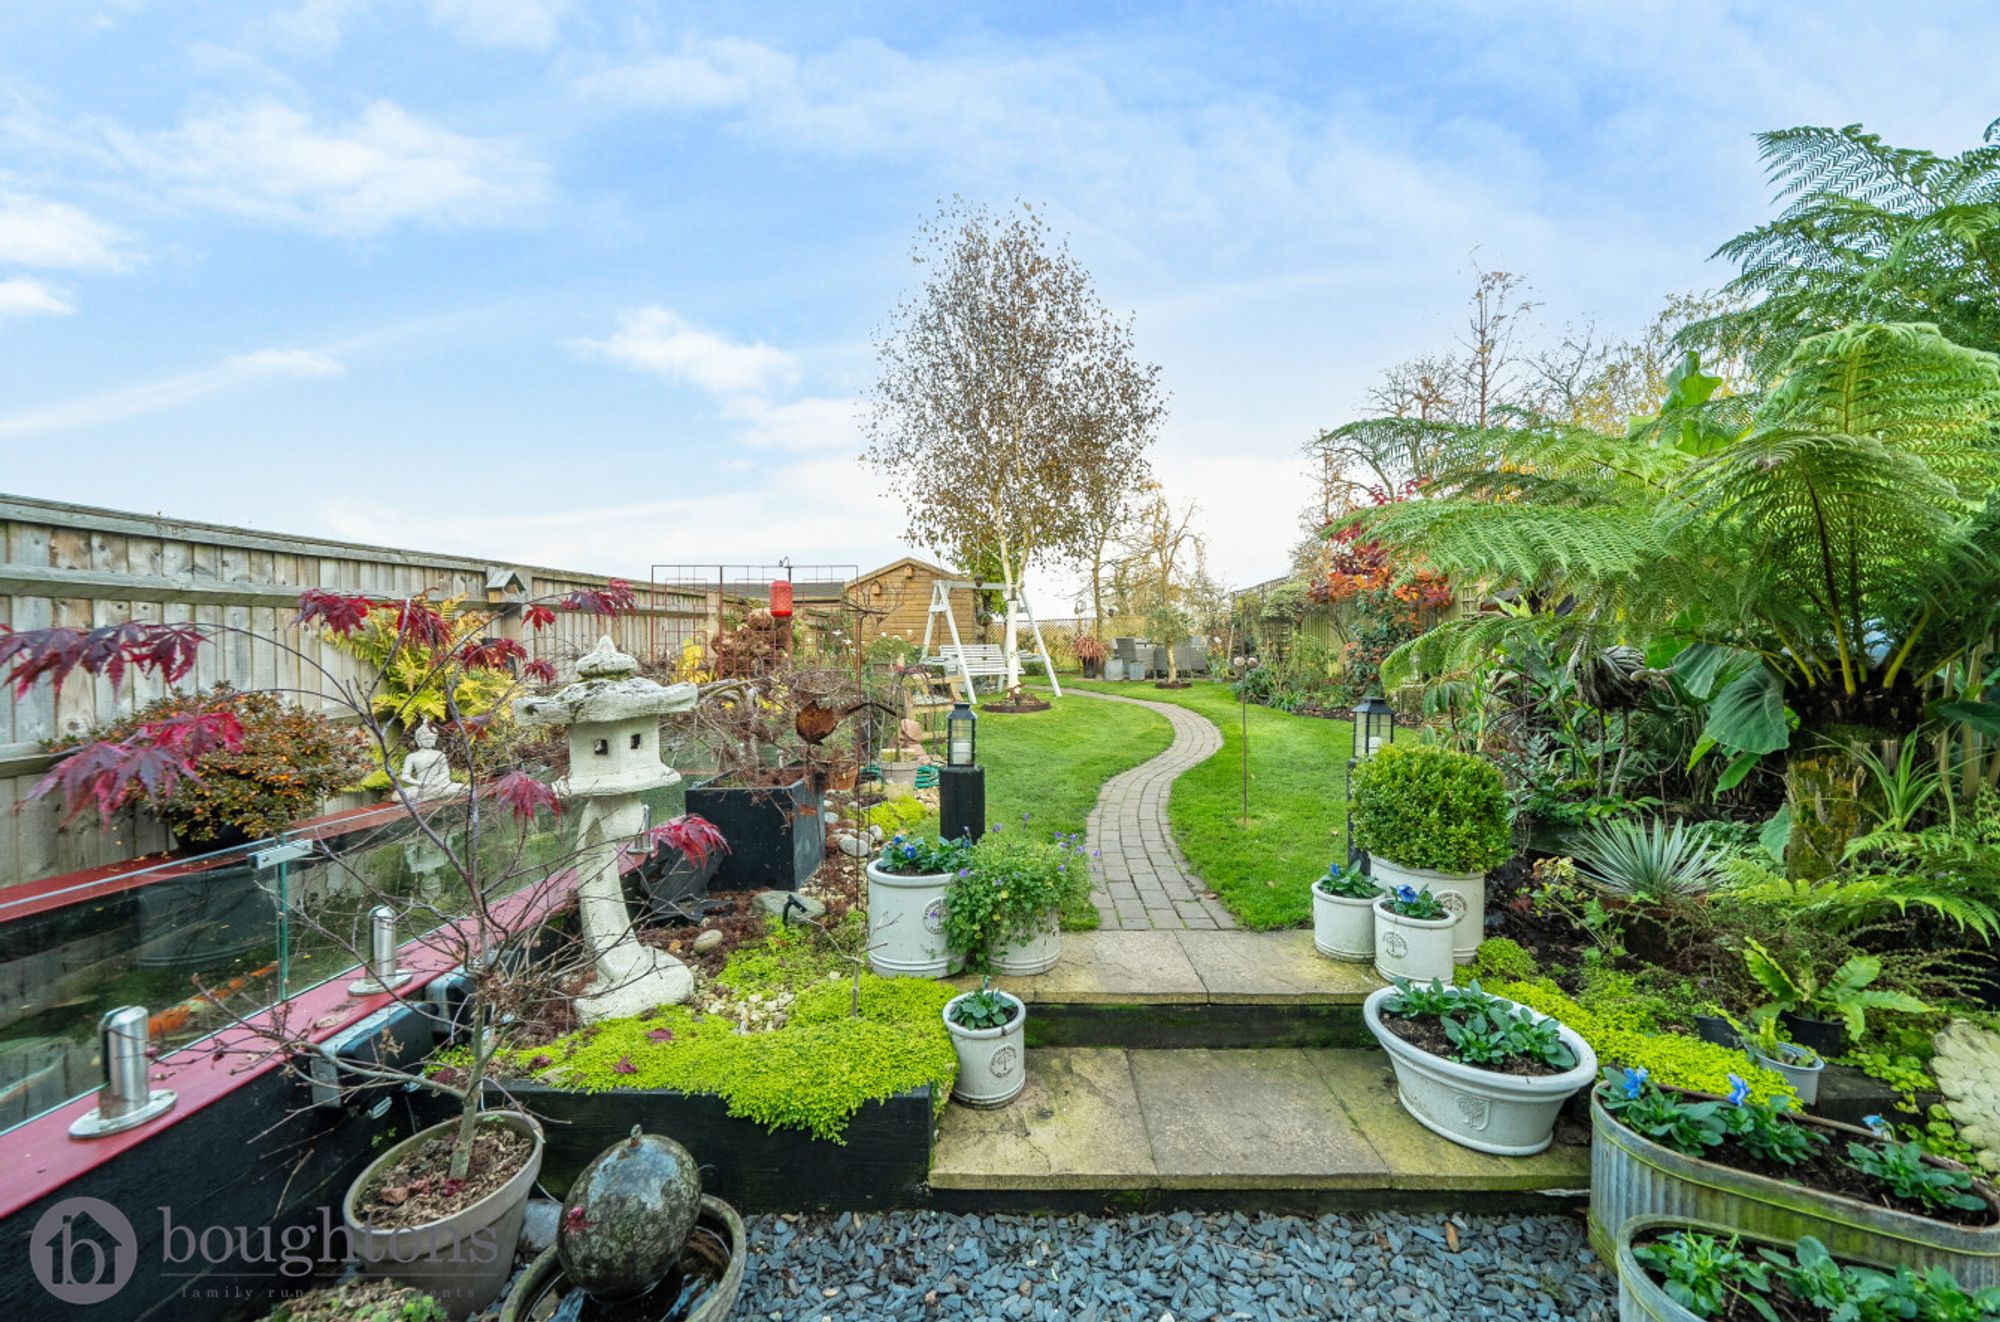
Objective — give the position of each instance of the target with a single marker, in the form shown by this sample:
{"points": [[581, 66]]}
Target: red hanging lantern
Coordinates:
{"points": [[781, 599]]}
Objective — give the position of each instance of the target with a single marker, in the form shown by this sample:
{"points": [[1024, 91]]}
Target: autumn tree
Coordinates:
{"points": [[1008, 401]]}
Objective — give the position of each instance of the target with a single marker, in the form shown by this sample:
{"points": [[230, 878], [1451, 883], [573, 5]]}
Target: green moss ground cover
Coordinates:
{"points": [[1297, 802], [812, 1074]]}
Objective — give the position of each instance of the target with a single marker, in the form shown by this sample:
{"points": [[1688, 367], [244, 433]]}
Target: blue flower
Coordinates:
{"points": [[898, 840], [965, 872], [1062, 867], [1408, 895], [1738, 1090], [1635, 1078], [1875, 1125], [909, 851]]}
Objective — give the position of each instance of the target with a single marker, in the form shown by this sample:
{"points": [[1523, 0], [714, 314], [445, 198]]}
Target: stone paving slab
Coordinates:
{"points": [[1233, 1119], [1073, 1126], [1113, 967]]}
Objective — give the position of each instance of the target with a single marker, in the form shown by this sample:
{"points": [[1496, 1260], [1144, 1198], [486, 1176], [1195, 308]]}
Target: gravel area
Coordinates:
{"points": [[1181, 1266]]}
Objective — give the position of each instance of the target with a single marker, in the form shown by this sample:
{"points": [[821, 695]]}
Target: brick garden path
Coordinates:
{"points": [[1145, 882]]}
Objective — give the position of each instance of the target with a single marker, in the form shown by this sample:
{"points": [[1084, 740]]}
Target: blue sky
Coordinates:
{"points": [[593, 285]]}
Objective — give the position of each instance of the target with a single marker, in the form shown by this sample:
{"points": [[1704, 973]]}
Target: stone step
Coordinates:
{"points": [[1290, 1127], [1197, 989]]}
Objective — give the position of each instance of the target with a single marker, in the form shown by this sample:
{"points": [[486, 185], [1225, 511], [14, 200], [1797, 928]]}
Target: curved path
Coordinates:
{"points": [[1145, 881]]}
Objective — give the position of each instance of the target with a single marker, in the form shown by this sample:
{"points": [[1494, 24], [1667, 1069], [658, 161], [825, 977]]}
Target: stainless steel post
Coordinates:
{"points": [[126, 1098]]}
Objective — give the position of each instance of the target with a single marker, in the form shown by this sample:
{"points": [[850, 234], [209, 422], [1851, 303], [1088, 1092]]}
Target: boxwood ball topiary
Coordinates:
{"points": [[628, 1216], [1423, 806]]}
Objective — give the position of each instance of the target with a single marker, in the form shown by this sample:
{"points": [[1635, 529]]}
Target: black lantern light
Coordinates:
{"points": [[1374, 725], [962, 736]]}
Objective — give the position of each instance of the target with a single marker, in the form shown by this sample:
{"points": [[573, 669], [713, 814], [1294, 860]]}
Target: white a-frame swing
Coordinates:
{"points": [[979, 659]]}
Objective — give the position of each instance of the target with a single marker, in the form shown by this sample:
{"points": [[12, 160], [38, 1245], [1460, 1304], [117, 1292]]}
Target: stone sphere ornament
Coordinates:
{"points": [[627, 1217]]}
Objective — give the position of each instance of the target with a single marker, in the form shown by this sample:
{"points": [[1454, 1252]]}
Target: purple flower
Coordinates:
{"points": [[965, 872], [1062, 867], [1097, 853], [1738, 1090], [1635, 1078]]}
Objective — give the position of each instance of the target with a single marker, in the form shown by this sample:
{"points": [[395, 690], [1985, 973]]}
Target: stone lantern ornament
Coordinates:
{"points": [[613, 719]]}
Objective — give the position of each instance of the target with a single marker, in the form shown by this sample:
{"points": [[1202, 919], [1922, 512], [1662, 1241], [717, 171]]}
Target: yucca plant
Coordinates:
{"points": [[1644, 860]]}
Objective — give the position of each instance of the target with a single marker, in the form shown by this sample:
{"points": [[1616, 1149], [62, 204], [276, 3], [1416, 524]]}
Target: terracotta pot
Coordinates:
{"points": [[463, 1259]]}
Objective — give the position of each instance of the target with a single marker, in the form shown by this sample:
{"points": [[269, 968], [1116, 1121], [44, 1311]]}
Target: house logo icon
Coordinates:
{"points": [[83, 1250]]}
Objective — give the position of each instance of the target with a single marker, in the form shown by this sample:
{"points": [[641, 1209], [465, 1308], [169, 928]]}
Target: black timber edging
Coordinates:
{"points": [[1198, 1024]]}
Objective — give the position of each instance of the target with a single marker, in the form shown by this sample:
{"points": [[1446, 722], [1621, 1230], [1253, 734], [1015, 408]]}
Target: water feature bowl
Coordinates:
{"points": [[702, 1288]]}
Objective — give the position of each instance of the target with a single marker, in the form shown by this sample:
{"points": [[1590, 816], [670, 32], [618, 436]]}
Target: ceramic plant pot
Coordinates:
{"points": [[1415, 948], [906, 923], [461, 1260], [1632, 1176], [1799, 1070], [1464, 893], [1510, 1115], [992, 1062], [1343, 927], [1034, 956]]}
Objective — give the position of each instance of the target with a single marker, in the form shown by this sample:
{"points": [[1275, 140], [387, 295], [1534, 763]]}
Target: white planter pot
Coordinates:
{"points": [[992, 1062], [1114, 669], [1464, 893], [1803, 1078], [906, 923], [1037, 955], [1415, 948], [1510, 1115], [899, 779], [1343, 928]]}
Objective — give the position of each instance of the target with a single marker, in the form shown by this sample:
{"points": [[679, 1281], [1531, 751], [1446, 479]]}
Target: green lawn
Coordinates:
{"points": [[1051, 765], [1297, 802]]}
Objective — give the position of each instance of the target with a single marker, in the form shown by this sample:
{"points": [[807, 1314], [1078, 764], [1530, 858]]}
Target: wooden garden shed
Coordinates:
{"points": [[896, 598]]}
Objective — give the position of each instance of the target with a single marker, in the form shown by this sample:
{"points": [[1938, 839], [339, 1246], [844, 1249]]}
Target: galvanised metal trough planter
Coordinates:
{"points": [[1632, 1176]]}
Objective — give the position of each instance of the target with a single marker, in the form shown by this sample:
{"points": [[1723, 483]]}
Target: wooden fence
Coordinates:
{"points": [[82, 567]]}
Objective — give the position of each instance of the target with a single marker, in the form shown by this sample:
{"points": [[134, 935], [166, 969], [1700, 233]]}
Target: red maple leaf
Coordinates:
{"points": [[538, 616], [692, 834], [523, 794], [660, 1035], [419, 622], [339, 611], [493, 654], [150, 762], [624, 1066], [167, 650], [542, 672], [615, 596]]}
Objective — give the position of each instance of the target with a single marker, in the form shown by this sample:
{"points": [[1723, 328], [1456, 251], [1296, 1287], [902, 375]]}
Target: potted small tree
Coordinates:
{"points": [[1480, 1070], [906, 888], [1003, 909], [987, 1030], [1436, 819], [1090, 654], [442, 1209], [1413, 935], [1344, 914]]}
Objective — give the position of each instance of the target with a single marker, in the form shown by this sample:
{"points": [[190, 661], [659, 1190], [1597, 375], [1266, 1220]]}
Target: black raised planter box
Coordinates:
{"points": [[776, 838], [885, 1161]]}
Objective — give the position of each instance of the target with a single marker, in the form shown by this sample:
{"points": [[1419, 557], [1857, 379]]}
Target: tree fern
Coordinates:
{"points": [[1870, 232]]}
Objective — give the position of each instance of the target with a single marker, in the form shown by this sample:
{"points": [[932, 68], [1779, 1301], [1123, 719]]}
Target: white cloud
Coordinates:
{"points": [[238, 371], [660, 340], [25, 296], [286, 362], [316, 24], [701, 75], [388, 167], [532, 24], [813, 423], [37, 232]]}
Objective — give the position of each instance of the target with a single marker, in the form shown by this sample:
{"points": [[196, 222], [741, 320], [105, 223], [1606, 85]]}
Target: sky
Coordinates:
{"points": [[594, 285]]}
